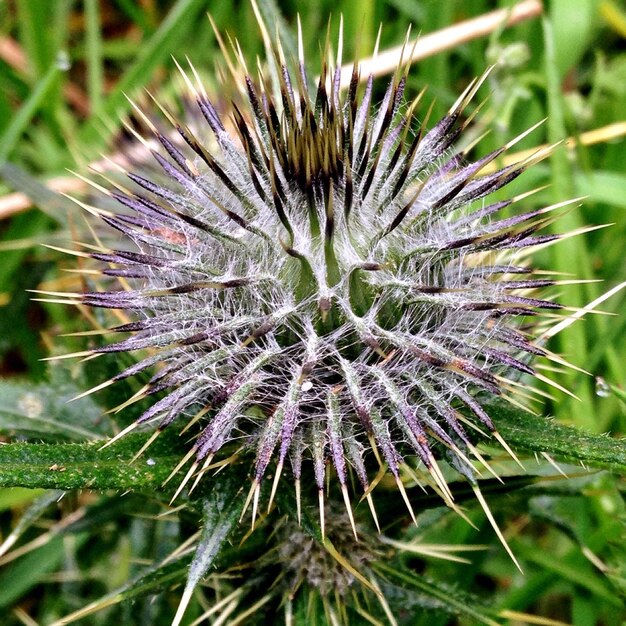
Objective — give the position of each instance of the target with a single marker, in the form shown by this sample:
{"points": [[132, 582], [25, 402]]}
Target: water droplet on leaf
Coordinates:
{"points": [[602, 388], [63, 61]]}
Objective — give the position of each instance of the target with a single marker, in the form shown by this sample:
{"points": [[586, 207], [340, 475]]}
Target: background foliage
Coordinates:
{"points": [[64, 69]]}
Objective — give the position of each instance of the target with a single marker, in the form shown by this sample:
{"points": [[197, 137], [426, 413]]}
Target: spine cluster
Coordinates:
{"points": [[325, 283]]}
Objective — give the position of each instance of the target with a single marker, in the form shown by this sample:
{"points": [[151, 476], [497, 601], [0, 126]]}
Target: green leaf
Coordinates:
{"points": [[221, 511], [34, 21], [95, 69], [308, 608], [22, 119], [534, 433], [429, 593], [16, 242], [29, 517], [162, 43], [574, 27], [21, 576], [573, 568], [53, 204], [17, 497], [88, 466], [151, 580], [603, 186], [620, 394], [45, 410]]}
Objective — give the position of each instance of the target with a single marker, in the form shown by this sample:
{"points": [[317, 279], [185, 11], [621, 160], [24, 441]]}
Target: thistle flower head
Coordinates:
{"points": [[321, 280], [304, 560]]}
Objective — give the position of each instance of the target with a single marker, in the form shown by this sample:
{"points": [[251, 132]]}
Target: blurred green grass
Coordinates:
{"points": [[65, 68]]}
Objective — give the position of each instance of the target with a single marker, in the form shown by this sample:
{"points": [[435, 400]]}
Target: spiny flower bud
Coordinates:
{"points": [[304, 560], [321, 282]]}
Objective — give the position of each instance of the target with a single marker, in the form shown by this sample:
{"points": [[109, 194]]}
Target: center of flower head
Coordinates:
{"points": [[324, 282], [310, 140]]}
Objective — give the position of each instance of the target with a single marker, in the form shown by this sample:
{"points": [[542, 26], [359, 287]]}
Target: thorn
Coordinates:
{"points": [[64, 294], [106, 383], [93, 355], [374, 448], [523, 390], [519, 405], [56, 301], [146, 445], [248, 499], [521, 136], [134, 398], [435, 472], [526, 194], [96, 212], [83, 272], [580, 313], [241, 59], [170, 118], [556, 385], [459, 511], [469, 92], [405, 497], [339, 43], [413, 474], [330, 548], [89, 182], [551, 356], [298, 502], [486, 465], [198, 416], [560, 205], [84, 255], [377, 42], [71, 355], [184, 481], [370, 503], [582, 231], [300, 42], [346, 499], [119, 435], [192, 67], [178, 467], [203, 470], [279, 469], [320, 497], [492, 521], [464, 457], [142, 140], [91, 246], [255, 502], [382, 472], [259, 18], [505, 445], [538, 155], [182, 606], [142, 115], [552, 462], [380, 596]]}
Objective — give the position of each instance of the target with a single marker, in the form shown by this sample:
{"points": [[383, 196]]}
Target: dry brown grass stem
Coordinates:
{"points": [[387, 61]]}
